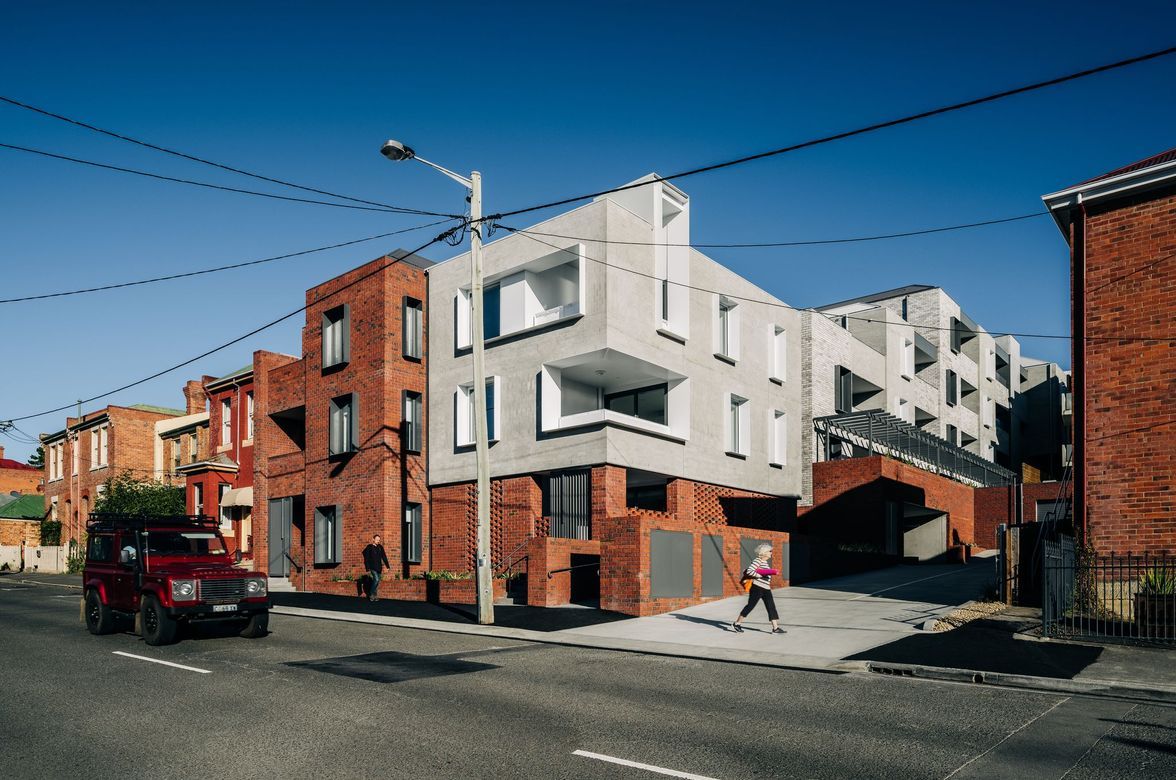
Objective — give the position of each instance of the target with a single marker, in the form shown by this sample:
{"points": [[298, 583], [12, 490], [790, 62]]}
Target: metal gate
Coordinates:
{"points": [[569, 504], [1057, 583]]}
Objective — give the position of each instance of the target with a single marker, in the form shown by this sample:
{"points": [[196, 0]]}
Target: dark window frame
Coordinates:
{"points": [[951, 381], [636, 395], [413, 533], [413, 424], [328, 535], [340, 315], [412, 310], [336, 446]]}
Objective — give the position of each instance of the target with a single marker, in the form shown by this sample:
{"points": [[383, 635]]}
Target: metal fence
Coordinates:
{"points": [[1125, 598]]}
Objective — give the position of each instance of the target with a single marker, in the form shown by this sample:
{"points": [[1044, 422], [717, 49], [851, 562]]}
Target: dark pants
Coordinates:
{"points": [[756, 594]]}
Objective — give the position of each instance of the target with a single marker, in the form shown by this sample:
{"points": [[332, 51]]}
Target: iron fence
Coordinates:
{"points": [[1124, 598]]}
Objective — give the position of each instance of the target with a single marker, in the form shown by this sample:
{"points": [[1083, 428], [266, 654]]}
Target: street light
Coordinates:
{"points": [[397, 152]]}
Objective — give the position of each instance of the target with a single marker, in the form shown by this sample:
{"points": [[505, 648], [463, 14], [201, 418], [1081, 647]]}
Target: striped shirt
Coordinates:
{"points": [[753, 573]]}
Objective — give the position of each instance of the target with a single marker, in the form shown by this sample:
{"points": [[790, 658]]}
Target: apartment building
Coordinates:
{"points": [[628, 376], [183, 440], [218, 476], [1045, 408], [338, 439], [1121, 229], [92, 449]]}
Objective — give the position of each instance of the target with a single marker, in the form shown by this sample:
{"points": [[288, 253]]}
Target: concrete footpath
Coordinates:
{"points": [[878, 621]]}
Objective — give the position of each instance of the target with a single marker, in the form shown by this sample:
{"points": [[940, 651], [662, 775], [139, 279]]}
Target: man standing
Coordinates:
{"points": [[374, 560]]}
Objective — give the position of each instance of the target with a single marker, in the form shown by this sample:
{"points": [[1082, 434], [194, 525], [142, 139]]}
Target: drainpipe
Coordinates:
{"points": [[1078, 456]]}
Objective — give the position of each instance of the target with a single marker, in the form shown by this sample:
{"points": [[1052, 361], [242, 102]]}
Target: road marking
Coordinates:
{"points": [[165, 663], [647, 767], [1022, 727]]}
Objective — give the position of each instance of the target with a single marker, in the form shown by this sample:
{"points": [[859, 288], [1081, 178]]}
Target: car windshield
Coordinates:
{"points": [[184, 543]]}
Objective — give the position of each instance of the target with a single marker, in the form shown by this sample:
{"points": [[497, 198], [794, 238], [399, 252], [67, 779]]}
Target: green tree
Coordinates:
{"points": [[127, 495], [37, 459]]}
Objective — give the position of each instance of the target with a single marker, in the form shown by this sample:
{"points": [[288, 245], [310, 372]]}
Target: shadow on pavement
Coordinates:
{"points": [[506, 615], [986, 646]]}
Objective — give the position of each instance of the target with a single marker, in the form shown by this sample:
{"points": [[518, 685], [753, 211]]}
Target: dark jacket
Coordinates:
{"points": [[374, 558]]}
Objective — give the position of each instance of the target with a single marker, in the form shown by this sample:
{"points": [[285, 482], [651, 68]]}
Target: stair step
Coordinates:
{"points": [[280, 585]]}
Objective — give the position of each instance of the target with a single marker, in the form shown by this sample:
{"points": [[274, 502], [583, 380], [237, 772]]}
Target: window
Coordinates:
{"points": [[344, 425], [413, 327], [664, 285], [73, 456], [779, 429], [177, 449], [738, 426], [101, 548], [727, 328], [843, 391], [951, 387], [198, 498], [104, 445], [904, 310], [336, 336], [249, 418], [464, 422], [953, 435], [53, 508], [908, 358], [779, 353], [226, 512], [412, 533], [413, 426], [328, 534], [226, 422], [646, 403], [957, 335], [94, 460], [193, 448]]}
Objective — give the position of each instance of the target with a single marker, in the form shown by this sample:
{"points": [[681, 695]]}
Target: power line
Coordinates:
{"points": [[222, 187], [184, 155], [218, 268], [238, 339], [781, 305], [766, 244], [851, 133]]}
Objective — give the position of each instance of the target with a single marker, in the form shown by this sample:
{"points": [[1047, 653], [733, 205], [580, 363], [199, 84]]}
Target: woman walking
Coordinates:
{"points": [[760, 574]]}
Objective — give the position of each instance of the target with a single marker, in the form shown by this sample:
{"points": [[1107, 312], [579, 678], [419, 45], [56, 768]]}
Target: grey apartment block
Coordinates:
{"points": [[913, 353], [646, 355]]}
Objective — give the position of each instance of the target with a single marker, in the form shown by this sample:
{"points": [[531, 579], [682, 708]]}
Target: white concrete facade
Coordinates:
{"points": [[646, 355]]}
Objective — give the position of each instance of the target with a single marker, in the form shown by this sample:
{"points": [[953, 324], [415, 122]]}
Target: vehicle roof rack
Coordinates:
{"points": [[109, 521]]}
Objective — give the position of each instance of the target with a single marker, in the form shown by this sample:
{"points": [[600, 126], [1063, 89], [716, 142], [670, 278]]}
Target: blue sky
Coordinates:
{"points": [[547, 100]]}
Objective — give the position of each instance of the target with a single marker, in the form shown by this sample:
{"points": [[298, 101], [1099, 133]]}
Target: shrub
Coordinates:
{"points": [[50, 533], [446, 574], [1158, 581]]}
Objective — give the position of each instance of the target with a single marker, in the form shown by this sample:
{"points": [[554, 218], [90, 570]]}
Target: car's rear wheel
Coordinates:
{"points": [[159, 628], [257, 626], [99, 618]]}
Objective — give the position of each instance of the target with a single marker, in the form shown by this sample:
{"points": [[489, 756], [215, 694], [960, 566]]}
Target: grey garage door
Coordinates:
{"points": [[671, 564]]}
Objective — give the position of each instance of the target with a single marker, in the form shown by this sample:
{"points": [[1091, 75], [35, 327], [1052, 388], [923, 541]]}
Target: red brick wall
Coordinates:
{"points": [[994, 506], [20, 480], [13, 532], [849, 499], [1129, 387], [373, 485]]}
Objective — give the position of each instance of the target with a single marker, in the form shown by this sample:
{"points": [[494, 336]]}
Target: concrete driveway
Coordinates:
{"points": [[826, 620]]}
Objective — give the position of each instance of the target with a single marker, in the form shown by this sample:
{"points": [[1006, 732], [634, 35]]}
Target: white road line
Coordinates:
{"points": [[165, 663], [647, 767]]}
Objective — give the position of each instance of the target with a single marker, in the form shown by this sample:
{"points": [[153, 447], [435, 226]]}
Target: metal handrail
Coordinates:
{"points": [[292, 561], [554, 572], [508, 557]]}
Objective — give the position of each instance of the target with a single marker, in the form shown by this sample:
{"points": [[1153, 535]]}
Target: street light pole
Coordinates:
{"points": [[485, 573], [396, 151]]}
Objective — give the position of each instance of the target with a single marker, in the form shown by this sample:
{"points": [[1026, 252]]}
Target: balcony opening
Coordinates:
{"points": [[645, 490]]}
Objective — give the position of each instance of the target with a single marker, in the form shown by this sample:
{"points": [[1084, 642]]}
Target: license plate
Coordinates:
{"points": [[224, 607]]}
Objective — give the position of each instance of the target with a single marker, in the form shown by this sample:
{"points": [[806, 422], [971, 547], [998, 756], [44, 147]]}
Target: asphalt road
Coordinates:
{"points": [[330, 699]]}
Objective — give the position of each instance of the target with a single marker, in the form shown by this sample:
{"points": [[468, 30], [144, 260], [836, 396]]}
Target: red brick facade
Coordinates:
{"points": [[1124, 412], [371, 486], [130, 448], [995, 505]]}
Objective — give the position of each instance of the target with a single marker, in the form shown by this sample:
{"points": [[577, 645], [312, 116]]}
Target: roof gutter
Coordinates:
{"points": [[1062, 203]]}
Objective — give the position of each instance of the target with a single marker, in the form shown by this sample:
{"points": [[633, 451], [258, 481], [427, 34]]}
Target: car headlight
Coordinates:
{"points": [[255, 588], [184, 590]]}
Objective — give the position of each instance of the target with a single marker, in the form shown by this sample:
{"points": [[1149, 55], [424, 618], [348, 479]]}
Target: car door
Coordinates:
{"points": [[123, 584]]}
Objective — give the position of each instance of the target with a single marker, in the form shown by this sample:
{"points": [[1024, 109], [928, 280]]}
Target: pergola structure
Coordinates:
{"points": [[877, 432]]}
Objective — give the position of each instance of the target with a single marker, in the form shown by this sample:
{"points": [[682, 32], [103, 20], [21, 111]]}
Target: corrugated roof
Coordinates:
{"points": [[1159, 159], [157, 409], [30, 507]]}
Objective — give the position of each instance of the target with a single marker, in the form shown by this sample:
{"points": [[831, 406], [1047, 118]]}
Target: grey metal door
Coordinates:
{"points": [[569, 497], [712, 565], [281, 512]]}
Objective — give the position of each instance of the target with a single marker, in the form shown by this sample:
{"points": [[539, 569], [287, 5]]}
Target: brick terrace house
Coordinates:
{"points": [[1121, 228], [19, 478], [92, 449], [339, 453], [220, 481]]}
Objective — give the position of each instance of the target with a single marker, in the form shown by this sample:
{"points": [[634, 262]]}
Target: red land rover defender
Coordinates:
{"points": [[167, 569]]}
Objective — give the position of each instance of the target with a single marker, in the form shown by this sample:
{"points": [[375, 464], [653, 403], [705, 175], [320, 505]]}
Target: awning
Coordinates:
{"points": [[237, 497]]}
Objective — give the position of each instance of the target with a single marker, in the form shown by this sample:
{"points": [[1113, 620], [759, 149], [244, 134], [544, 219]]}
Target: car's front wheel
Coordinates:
{"points": [[159, 628], [257, 627], [99, 618]]}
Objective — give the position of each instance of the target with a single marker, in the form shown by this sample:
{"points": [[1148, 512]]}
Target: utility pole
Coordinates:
{"points": [[485, 573]]}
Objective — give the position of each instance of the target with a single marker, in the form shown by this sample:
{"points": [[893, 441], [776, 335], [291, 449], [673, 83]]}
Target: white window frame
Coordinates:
{"points": [[226, 513], [226, 426], [727, 316], [193, 447], [198, 498], [73, 453], [94, 462], [736, 425], [464, 417], [778, 425], [104, 445], [249, 419], [779, 354], [53, 508]]}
